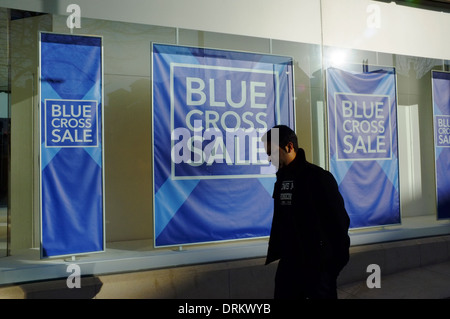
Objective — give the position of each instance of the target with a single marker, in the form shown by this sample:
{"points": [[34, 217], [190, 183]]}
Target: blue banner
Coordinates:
{"points": [[362, 129], [441, 110], [212, 180], [71, 94]]}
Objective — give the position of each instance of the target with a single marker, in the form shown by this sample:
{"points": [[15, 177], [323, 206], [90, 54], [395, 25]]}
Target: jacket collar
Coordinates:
{"points": [[296, 165]]}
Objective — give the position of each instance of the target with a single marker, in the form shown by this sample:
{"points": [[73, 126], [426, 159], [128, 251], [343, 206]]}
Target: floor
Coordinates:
{"points": [[427, 282]]}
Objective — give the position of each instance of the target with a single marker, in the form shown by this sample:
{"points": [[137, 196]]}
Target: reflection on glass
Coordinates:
{"points": [[4, 129], [4, 170]]}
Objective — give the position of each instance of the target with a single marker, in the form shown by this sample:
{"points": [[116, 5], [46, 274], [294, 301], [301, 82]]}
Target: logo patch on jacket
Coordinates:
{"points": [[286, 192]]}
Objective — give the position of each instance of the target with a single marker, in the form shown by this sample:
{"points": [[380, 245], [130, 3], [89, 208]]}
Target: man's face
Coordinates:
{"points": [[279, 158]]}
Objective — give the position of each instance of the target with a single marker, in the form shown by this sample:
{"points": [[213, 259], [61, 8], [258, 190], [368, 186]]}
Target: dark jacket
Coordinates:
{"points": [[310, 223]]}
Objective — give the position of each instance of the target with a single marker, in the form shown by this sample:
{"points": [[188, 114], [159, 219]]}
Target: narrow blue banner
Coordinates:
{"points": [[362, 129], [441, 111], [212, 179], [72, 206]]}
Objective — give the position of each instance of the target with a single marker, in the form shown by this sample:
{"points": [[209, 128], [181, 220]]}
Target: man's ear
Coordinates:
{"points": [[289, 147]]}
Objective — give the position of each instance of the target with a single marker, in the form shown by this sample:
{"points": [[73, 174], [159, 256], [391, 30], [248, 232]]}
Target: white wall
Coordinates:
{"points": [[357, 24], [294, 20], [386, 27]]}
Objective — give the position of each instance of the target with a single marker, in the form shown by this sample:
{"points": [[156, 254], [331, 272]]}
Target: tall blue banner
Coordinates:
{"points": [[441, 110], [362, 130], [212, 179], [71, 129]]}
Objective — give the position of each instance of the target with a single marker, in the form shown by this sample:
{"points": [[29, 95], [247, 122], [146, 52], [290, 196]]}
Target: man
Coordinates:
{"points": [[309, 232]]}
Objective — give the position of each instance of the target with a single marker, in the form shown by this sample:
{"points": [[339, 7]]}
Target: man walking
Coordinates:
{"points": [[309, 234]]}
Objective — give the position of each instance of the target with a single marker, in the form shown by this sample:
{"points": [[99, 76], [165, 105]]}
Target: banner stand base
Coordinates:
{"points": [[180, 248]]}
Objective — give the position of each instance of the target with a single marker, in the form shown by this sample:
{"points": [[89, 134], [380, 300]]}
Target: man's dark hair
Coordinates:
{"points": [[285, 134]]}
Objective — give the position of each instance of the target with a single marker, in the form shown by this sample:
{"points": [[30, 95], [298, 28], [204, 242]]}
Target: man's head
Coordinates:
{"points": [[283, 139]]}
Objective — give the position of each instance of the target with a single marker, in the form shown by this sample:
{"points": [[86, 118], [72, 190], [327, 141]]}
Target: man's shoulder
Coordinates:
{"points": [[316, 169], [318, 173]]}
